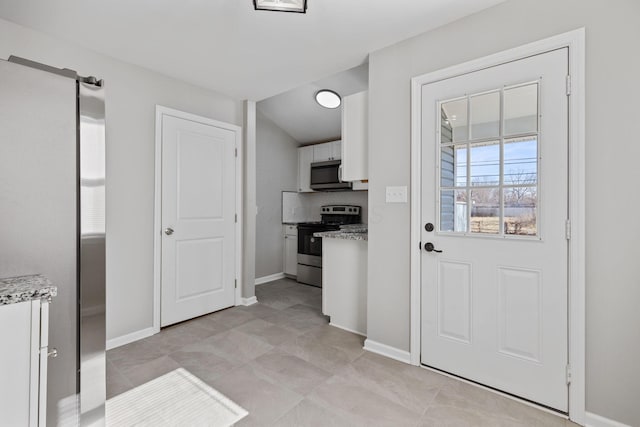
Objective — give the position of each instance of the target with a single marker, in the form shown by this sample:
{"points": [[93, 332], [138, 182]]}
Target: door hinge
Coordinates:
{"points": [[568, 85], [567, 229], [236, 152], [568, 374], [235, 283], [236, 218], [420, 245]]}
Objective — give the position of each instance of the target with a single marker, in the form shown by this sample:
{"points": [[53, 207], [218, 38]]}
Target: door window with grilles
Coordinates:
{"points": [[489, 162]]}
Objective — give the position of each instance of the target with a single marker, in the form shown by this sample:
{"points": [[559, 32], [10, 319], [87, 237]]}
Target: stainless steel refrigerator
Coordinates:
{"points": [[52, 220]]}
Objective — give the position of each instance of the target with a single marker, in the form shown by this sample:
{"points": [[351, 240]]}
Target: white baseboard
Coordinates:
{"points": [[353, 331], [129, 338], [593, 420], [388, 351], [269, 278], [248, 301]]}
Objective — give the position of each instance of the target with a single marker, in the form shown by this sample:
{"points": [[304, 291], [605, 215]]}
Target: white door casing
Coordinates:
{"points": [[494, 303], [198, 216]]}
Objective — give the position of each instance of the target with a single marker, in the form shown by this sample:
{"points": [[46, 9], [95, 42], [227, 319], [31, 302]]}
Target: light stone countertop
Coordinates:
{"points": [[346, 233], [25, 288]]}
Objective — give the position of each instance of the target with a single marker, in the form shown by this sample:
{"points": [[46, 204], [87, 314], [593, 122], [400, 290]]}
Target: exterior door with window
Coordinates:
{"points": [[495, 189]]}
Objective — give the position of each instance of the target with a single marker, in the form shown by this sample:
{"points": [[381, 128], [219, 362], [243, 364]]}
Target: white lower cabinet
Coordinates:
{"points": [[344, 283], [23, 358], [290, 267]]}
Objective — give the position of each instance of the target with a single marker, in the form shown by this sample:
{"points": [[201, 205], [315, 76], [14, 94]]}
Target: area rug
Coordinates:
{"points": [[174, 399]]}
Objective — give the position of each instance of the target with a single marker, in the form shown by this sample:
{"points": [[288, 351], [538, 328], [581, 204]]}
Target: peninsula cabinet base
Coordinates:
{"points": [[344, 283]]}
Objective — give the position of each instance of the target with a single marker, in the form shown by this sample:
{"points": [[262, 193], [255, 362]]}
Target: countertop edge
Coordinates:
{"points": [[32, 287], [344, 235]]}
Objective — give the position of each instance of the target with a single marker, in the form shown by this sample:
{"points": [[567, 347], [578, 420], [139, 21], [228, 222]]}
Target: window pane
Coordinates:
{"points": [[520, 205], [520, 161], [485, 163], [521, 109], [453, 166], [453, 210], [485, 115], [453, 126], [447, 166], [446, 130], [485, 210]]}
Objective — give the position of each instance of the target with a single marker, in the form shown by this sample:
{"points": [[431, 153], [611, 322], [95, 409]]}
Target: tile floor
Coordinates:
{"points": [[282, 362]]}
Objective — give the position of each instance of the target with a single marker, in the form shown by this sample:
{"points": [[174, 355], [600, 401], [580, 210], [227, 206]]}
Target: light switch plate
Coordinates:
{"points": [[396, 194]]}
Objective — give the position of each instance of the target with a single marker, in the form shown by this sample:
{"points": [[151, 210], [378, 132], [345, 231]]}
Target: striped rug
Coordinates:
{"points": [[174, 399]]}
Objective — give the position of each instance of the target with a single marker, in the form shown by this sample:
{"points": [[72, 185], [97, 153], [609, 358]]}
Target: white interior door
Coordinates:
{"points": [[495, 189], [198, 219]]}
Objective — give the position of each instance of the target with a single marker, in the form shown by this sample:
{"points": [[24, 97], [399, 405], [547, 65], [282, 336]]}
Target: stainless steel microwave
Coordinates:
{"points": [[326, 176]]}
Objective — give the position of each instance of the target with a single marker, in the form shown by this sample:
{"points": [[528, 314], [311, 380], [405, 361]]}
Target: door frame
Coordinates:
{"points": [[575, 42], [162, 111]]}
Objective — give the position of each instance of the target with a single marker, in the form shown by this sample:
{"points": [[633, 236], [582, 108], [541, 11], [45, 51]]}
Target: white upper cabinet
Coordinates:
{"points": [[305, 158], [336, 150], [327, 151], [311, 154], [355, 137], [321, 152]]}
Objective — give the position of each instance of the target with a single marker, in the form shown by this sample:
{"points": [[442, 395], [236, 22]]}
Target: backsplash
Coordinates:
{"points": [[303, 207]]}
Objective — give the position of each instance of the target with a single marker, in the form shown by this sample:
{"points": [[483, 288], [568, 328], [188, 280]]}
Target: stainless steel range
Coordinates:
{"points": [[310, 248]]}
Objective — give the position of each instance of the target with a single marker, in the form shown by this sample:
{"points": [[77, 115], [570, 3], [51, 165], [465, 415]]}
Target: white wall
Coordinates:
{"points": [[276, 171], [612, 150], [131, 95]]}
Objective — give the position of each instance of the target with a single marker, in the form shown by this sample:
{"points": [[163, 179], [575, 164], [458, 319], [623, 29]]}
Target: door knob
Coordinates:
{"points": [[430, 248], [168, 231], [53, 353], [429, 227]]}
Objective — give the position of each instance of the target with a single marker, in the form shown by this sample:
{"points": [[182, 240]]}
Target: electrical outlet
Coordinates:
{"points": [[396, 194]]}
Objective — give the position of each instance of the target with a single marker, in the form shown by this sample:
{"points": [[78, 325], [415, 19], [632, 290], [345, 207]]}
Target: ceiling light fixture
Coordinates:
{"points": [[328, 98], [298, 6]]}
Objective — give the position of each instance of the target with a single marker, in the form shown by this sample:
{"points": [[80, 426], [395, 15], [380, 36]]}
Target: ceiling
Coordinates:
{"points": [[225, 45], [298, 114]]}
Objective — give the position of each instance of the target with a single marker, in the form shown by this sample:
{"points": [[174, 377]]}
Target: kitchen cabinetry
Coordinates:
{"points": [[315, 153], [290, 264], [327, 151], [305, 158], [355, 137], [344, 283], [321, 152], [23, 357], [336, 150]]}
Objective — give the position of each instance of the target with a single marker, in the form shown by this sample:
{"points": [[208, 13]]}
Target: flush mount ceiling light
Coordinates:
{"points": [[299, 6], [328, 98]]}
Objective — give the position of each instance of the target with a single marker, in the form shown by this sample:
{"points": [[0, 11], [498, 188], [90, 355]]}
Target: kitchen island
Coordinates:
{"points": [[344, 278]]}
